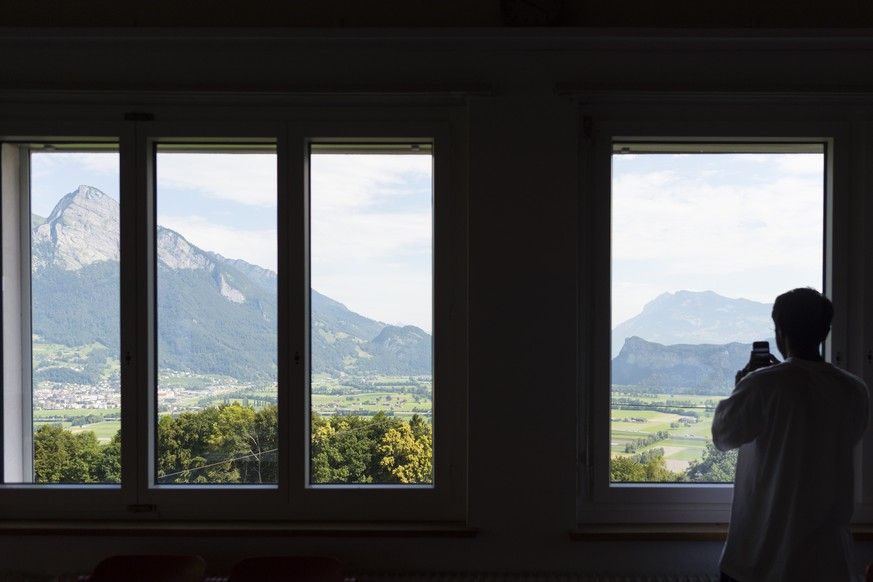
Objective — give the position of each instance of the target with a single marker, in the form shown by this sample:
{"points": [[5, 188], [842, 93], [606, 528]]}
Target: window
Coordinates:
{"points": [[704, 237], [62, 397], [217, 354], [707, 221], [214, 324], [372, 381]]}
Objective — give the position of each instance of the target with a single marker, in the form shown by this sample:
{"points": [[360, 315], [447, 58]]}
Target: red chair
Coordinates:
{"points": [[288, 569], [150, 568]]}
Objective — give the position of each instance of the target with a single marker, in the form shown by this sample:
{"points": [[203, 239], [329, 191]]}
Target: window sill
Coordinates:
{"points": [[234, 529], [695, 532], [659, 532]]}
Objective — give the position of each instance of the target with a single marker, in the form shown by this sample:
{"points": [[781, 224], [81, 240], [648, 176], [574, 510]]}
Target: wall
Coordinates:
{"points": [[524, 219], [452, 13]]}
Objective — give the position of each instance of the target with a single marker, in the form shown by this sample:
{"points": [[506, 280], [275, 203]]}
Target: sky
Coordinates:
{"points": [[742, 225], [371, 217]]}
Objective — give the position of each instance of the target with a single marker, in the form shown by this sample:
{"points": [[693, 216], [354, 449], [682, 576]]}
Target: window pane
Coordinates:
{"points": [[704, 237], [216, 314], [371, 313], [62, 415]]}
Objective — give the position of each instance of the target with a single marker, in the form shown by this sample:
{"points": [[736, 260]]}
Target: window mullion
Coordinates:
{"points": [[137, 309], [17, 395], [293, 232]]}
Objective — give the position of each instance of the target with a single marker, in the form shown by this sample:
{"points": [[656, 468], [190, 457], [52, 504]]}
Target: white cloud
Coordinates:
{"points": [[372, 234], [741, 229], [342, 183], [705, 227], [258, 247], [248, 179], [54, 174], [809, 164], [369, 236], [409, 302]]}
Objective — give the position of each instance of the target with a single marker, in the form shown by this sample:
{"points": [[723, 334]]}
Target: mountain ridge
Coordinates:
{"points": [[222, 310], [680, 368], [696, 317]]}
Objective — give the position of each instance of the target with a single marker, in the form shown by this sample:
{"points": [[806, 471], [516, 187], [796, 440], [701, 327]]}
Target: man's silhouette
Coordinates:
{"points": [[796, 424]]}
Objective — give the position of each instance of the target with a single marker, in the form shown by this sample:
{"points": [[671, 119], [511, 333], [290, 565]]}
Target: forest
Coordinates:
{"points": [[235, 444]]}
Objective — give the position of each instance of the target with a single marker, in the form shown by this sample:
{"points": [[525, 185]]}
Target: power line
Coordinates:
{"points": [[220, 463]]}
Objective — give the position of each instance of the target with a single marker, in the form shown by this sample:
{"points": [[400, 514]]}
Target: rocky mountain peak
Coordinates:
{"points": [[225, 308], [176, 252], [82, 229]]}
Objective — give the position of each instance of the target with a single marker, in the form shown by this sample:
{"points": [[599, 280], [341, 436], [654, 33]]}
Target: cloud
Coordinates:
{"points": [[410, 301], [248, 179], [810, 164], [703, 227], [258, 247], [743, 226], [372, 234], [371, 218], [342, 183], [54, 174]]}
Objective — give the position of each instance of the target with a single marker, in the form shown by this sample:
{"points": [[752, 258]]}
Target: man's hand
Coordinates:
{"points": [[754, 365]]}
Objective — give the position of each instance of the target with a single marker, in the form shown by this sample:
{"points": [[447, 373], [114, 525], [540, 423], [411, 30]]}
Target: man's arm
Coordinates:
{"points": [[738, 418]]}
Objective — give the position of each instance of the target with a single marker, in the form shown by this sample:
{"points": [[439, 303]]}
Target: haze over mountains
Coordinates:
{"points": [[222, 316], [216, 315], [697, 317], [689, 342]]}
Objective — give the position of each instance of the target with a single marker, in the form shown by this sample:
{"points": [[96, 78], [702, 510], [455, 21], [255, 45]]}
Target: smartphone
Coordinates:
{"points": [[761, 354]]}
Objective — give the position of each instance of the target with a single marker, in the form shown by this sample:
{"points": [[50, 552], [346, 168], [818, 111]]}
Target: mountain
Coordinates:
{"points": [[680, 368], [83, 229], [692, 317], [222, 318]]}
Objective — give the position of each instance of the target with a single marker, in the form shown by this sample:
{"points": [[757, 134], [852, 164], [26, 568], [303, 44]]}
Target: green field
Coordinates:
{"points": [[400, 396], [686, 418], [104, 431], [47, 415], [396, 395]]}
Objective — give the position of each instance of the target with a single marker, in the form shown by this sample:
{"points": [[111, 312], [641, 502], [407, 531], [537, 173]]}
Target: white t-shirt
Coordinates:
{"points": [[796, 424]]}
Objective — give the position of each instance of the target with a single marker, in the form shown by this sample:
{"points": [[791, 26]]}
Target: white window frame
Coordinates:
{"points": [[291, 128], [718, 121]]}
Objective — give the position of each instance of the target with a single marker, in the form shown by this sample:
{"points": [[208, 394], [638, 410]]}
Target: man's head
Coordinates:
{"points": [[802, 318]]}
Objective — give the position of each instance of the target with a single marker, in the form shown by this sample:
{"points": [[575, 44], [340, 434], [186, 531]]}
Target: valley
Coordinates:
{"points": [[82, 406], [639, 419]]}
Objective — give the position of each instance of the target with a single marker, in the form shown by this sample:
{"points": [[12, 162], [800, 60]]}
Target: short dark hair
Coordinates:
{"points": [[804, 316]]}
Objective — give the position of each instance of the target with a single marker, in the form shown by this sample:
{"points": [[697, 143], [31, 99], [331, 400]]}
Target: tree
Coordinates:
{"points": [[109, 469], [648, 467], [341, 449], [714, 467], [242, 439], [406, 452], [60, 456], [183, 447], [626, 469], [353, 449]]}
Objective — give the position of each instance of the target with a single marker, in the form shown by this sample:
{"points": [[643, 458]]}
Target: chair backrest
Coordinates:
{"points": [[150, 568], [288, 569]]}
